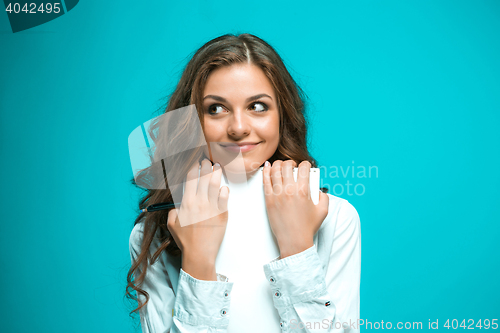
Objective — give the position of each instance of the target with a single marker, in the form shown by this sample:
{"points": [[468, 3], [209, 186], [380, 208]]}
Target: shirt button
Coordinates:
{"points": [[223, 312], [226, 294], [277, 294], [272, 279], [327, 303]]}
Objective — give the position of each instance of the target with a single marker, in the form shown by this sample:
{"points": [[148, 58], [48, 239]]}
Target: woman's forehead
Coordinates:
{"points": [[241, 80]]}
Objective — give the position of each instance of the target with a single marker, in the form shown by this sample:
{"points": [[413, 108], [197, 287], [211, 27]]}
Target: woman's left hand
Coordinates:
{"points": [[293, 216]]}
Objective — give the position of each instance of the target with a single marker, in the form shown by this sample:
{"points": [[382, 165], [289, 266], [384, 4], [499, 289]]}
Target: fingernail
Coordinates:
{"points": [[216, 165], [267, 164]]}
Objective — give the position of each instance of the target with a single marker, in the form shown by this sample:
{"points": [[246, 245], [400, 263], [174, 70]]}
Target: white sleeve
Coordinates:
{"points": [[344, 269], [307, 300], [200, 306]]}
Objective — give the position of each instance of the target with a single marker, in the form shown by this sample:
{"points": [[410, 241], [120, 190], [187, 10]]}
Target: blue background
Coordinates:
{"points": [[411, 87]]}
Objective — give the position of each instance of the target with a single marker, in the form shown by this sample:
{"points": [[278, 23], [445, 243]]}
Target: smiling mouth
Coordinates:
{"points": [[235, 147]]}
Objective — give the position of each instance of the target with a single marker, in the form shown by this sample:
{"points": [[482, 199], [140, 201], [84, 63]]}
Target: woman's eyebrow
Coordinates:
{"points": [[252, 98]]}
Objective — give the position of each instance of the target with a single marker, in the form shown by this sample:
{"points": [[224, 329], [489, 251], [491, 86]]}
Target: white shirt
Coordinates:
{"points": [[316, 290]]}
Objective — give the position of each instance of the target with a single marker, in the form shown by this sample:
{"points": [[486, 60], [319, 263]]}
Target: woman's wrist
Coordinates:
{"points": [[199, 269], [289, 249]]}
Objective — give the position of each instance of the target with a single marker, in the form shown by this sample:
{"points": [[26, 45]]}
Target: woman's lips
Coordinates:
{"points": [[235, 148]]}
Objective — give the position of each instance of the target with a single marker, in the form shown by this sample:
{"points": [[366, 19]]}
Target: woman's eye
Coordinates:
{"points": [[257, 107], [214, 107], [262, 108]]}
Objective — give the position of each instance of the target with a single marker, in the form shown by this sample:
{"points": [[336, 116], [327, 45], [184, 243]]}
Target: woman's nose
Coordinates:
{"points": [[239, 124]]}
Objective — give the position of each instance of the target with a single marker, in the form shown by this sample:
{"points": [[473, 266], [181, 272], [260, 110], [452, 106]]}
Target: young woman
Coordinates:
{"points": [[245, 96]]}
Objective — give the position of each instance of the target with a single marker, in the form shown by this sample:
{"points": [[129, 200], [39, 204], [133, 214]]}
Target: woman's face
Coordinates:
{"points": [[240, 108]]}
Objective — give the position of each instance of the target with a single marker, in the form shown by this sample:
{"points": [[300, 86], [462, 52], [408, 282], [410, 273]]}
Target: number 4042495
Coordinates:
{"points": [[469, 324], [32, 8]]}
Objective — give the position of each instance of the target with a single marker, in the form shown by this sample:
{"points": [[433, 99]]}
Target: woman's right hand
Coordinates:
{"points": [[204, 216]]}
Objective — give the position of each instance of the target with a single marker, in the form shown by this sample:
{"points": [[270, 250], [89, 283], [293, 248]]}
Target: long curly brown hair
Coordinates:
{"points": [[222, 51]]}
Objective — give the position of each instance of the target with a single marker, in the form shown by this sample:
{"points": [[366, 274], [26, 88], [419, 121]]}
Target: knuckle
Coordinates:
{"points": [[192, 174], [305, 164], [224, 195], [303, 191], [289, 190], [201, 204], [187, 202], [170, 222], [206, 163], [213, 182]]}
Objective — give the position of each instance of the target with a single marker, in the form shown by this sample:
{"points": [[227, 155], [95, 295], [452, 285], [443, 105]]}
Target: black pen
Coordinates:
{"points": [[159, 206]]}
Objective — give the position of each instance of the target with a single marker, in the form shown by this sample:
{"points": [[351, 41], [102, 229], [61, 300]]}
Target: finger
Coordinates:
{"points": [[287, 172], [276, 179], [205, 175], [223, 198], [303, 177], [191, 180], [171, 219], [268, 185], [172, 225], [214, 185], [324, 203]]}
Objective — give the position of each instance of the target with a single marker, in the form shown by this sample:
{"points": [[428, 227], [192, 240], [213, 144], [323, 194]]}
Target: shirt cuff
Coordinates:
{"points": [[201, 302], [222, 278], [297, 278]]}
